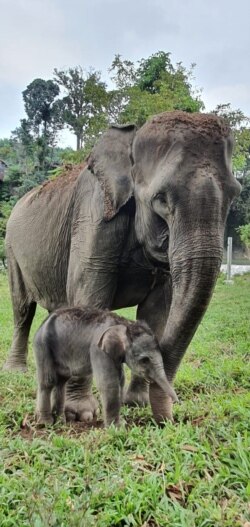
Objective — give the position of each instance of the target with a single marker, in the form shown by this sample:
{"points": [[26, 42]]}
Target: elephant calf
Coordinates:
{"points": [[76, 343]]}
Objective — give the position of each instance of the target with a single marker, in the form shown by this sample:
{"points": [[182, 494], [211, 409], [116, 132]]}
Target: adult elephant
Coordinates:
{"points": [[141, 224]]}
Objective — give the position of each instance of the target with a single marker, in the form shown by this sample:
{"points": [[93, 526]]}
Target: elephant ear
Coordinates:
{"points": [[111, 162], [114, 341]]}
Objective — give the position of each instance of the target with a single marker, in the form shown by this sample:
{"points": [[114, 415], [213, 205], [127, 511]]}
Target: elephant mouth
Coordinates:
{"points": [[157, 240]]}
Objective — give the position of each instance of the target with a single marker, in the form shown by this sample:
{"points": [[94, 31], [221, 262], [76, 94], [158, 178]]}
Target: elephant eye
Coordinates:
{"points": [[161, 198], [144, 360]]}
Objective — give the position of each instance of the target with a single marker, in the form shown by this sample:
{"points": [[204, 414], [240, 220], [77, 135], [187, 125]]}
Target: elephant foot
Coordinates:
{"points": [[117, 423], [15, 365], [136, 397], [60, 419], [43, 419], [84, 409]]}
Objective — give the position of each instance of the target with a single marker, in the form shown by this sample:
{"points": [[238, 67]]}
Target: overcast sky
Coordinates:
{"points": [[38, 35]]}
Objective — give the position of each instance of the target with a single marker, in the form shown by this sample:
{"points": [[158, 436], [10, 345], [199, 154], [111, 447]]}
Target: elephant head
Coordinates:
{"points": [[183, 185], [136, 345]]}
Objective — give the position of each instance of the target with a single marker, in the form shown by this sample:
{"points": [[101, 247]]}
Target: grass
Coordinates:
{"points": [[194, 473]]}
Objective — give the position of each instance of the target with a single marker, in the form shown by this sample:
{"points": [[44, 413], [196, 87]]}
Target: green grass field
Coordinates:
{"points": [[194, 473]]}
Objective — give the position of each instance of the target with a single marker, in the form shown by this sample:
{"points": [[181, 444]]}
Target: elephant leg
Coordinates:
{"points": [[154, 310], [43, 405], [137, 393], [95, 291], [94, 261], [80, 404], [23, 311], [58, 399]]}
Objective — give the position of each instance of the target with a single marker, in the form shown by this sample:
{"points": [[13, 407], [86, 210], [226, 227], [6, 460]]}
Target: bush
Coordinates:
{"points": [[244, 231], [2, 254]]}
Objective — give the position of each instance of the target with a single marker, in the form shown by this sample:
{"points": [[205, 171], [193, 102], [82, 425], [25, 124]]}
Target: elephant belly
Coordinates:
{"points": [[47, 289], [132, 288]]}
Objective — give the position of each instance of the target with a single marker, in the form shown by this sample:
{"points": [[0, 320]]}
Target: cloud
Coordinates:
{"points": [[38, 35], [32, 40], [236, 94]]}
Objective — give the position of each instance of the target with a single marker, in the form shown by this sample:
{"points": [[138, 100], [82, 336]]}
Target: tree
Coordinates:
{"points": [[244, 231], [240, 125], [156, 85], [84, 104], [44, 113], [23, 145], [5, 210], [239, 213], [151, 71]]}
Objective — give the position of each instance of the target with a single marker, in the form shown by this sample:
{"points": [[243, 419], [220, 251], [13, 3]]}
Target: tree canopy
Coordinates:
{"points": [[84, 102], [154, 86], [240, 124], [239, 214]]}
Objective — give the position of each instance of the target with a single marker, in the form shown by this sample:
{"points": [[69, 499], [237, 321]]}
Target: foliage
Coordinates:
{"points": [[156, 85], [6, 151], [5, 210], [75, 156], [240, 124], [44, 113], [84, 103], [2, 253], [241, 206], [244, 231], [194, 472], [239, 213]]}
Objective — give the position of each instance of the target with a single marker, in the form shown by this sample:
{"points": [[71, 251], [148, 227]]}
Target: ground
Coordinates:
{"points": [[193, 473]]}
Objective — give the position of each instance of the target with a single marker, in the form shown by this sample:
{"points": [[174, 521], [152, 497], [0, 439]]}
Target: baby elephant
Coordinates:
{"points": [[75, 342]]}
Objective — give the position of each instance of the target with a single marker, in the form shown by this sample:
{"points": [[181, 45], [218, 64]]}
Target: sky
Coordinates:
{"points": [[39, 35]]}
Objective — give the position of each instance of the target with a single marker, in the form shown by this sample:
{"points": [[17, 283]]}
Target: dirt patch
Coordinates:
{"points": [[68, 177], [210, 124], [194, 129], [29, 430]]}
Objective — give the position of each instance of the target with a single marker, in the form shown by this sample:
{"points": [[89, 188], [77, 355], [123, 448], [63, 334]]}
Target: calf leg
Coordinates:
{"points": [[111, 404], [43, 405], [58, 399], [108, 379]]}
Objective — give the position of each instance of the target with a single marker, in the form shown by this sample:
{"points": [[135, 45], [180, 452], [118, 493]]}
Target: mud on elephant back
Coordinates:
{"points": [[142, 223]]}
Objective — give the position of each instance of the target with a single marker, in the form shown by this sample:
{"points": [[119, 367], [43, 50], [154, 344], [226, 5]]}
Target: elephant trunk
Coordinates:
{"points": [[161, 396], [161, 403], [193, 283]]}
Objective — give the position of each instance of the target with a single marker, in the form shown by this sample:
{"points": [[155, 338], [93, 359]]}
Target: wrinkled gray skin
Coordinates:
{"points": [[77, 343], [142, 224]]}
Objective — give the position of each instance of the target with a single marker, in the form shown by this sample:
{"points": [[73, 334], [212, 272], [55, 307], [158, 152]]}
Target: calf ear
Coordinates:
{"points": [[114, 341]]}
